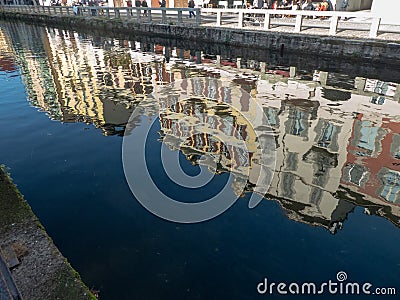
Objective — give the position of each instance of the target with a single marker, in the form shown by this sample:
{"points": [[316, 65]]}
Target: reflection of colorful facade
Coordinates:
{"points": [[373, 166], [77, 81], [321, 147], [35, 68], [222, 128], [7, 63]]}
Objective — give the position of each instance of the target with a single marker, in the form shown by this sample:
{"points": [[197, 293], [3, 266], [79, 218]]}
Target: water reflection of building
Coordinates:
{"points": [[218, 116], [373, 163], [7, 63], [324, 149], [75, 80]]}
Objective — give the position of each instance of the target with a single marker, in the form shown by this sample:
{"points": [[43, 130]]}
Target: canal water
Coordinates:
{"points": [[333, 204]]}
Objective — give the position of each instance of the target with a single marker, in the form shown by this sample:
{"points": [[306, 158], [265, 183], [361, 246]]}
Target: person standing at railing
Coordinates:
{"points": [[93, 10], [308, 5], [191, 6], [162, 3], [144, 4], [138, 3], [330, 5], [75, 9], [258, 4], [129, 4]]}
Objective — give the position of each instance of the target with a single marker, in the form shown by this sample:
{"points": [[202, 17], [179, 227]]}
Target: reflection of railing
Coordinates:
{"points": [[264, 19]]}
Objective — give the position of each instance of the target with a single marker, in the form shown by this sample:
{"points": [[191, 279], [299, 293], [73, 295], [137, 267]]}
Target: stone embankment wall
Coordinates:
{"points": [[39, 270], [376, 51]]}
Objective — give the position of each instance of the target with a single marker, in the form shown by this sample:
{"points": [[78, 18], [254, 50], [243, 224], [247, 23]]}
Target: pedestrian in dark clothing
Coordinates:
{"points": [[330, 6], [144, 4], [309, 5], [191, 6], [162, 3], [138, 3]]}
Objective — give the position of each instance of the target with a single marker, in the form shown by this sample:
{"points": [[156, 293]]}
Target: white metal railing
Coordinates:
{"points": [[264, 17], [140, 14], [238, 18]]}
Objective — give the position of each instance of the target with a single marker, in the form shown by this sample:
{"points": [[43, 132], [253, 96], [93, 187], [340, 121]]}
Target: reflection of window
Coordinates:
{"points": [[377, 100], [296, 126], [367, 138], [316, 196], [272, 116], [291, 161], [212, 90], [380, 87], [355, 174], [391, 186], [395, 146], [227, 95], [287, 185], [327, 135], [229, 122]]}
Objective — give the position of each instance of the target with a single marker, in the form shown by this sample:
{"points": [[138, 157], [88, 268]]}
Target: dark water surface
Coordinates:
{"points": [[333, 204]]}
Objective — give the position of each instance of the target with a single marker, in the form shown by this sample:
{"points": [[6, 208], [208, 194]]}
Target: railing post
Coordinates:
{"points": [[117, 13], [179, 17], [219, 14], [149, 15], [263, 67], [240, 21], [68, 10], [164, 16], [138, 14], [197, 11], [267, 21], [333, 25], [61, 10], [373, 32], [108, 12], [299, 23]]}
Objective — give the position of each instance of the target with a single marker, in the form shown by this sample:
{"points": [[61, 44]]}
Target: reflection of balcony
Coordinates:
{"points": [[355, 174], [335, 95]]}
